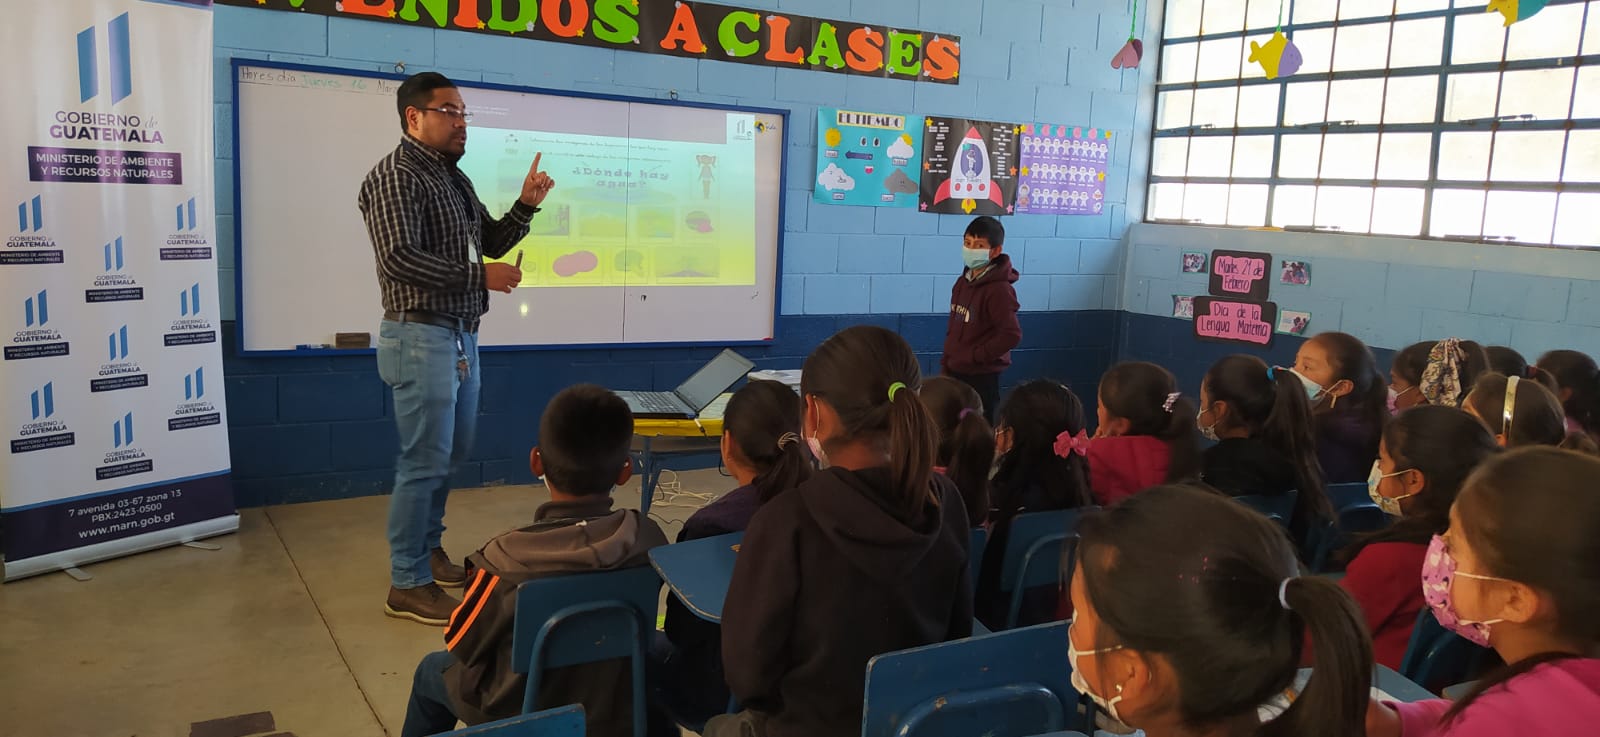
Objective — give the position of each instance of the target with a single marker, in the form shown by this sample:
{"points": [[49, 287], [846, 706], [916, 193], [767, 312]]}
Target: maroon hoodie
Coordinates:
{"points": [[983, 324]]}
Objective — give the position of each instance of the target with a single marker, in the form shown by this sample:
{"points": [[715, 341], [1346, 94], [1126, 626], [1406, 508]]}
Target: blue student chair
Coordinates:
{"points": [[1437, 657], [1344, 495], [585, 618], [1354, 519], [566, 721], [1008, 684], [1278, 508], [1039, 552], [980, 538]]}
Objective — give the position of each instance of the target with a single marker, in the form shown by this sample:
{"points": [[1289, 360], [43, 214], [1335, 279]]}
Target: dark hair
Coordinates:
{"points": [[1536, 417], [988, 228], [1137, 392], [1036, 413], [1533, 516], [1412, 361], [1509, 362], [1272, 406], [763, 418], [1353, 361], [583, 439], [853, 372], [1196, 577], [966, 441], [1445, 444], [417, 92], [1576, 372]]}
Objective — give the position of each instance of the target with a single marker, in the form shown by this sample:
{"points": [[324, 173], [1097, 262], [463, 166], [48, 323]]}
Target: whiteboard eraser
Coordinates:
{"points": [[352, 340]]}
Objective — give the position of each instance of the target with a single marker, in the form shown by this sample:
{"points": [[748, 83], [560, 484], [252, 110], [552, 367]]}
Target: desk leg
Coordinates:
{"points": [[648, 477]]}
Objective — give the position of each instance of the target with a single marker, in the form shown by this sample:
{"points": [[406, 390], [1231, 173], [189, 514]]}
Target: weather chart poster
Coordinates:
{"points": [[866, 158], [1063, 170], [969, 166]]}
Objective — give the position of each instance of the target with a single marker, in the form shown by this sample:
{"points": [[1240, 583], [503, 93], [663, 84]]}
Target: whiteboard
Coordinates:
{"points": [[658, 246]]}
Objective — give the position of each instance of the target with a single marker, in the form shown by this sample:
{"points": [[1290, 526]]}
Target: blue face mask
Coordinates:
{"points": [[974, 258], [1314, 390]]}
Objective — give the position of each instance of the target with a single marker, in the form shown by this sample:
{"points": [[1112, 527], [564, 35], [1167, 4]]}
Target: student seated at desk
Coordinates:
{"points": [[1518, 570], [761, 448], [1144, 434], [1190, 614], [582, 455], [1349, 403], [966, 441], [1426, 454], [867, 557]]}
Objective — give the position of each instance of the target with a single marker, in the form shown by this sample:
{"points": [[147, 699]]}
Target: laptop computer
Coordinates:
{"points": [[694, 394]]}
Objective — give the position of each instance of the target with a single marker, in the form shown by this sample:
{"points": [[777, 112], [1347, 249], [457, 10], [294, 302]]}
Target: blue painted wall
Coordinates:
{"points": [[1390, 292], [318, 428]]}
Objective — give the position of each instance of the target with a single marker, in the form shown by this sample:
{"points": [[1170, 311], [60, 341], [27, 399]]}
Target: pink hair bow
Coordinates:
{"points": [[1067, 443]]}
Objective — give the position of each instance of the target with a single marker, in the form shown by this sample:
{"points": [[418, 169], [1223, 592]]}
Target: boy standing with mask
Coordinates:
{"points": [[983, 325]]}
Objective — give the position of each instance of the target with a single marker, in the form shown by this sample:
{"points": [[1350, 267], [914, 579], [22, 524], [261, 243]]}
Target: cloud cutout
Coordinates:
{"points": [[834, 179]]}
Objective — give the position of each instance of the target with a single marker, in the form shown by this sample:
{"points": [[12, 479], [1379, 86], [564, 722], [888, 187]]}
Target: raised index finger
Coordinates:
{"points": [[536, 157]]}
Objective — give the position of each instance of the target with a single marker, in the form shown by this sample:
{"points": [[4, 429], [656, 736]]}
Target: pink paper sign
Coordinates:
{"points": [[1234, 321]]}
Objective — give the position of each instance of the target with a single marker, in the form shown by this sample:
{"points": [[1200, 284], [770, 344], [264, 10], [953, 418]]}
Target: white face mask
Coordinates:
{"points": [[1082, 685], [1209, 432], [974, 258], [1389, 504], [815, 444]]}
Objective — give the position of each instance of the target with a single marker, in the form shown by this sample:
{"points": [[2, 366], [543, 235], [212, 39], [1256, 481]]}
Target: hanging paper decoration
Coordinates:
{"points": [[1278, 56], [1132, 51], [1515, 10]]}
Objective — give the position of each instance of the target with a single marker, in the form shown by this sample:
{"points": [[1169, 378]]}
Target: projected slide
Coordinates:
{"points": [[627, 211]]}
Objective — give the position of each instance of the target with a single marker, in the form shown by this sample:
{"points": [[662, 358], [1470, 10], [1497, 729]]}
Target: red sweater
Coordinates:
{"points": [[1120, 466], [1385, 579]]}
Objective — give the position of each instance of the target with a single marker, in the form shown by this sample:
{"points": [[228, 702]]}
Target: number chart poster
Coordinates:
{"points": [[969, 166], [867, 159], [1063, 170]]}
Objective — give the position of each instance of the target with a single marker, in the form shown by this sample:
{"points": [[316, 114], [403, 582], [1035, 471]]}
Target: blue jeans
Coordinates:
{"points": [[436, 412], [429, 712]]}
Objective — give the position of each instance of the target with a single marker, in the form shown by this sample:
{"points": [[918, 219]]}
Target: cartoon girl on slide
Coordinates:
{"points": [[707, 176]]}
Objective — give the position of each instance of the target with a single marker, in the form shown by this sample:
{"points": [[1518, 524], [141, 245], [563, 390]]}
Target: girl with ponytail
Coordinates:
{"points": [[1578, 382], [966, 441], [1262, 423], [1522, 412], [1145, 435], [761, 449], [1190, 614], [1348, 401], [866, 557]]}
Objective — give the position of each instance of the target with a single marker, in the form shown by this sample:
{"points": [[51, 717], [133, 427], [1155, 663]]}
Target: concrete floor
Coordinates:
{"points": [[285, 624]]}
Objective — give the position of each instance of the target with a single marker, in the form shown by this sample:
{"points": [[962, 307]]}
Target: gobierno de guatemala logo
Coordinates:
{"points": [[125, 458], [43, 430], [187, 242], [37, 338], [191, 327], [195, 410], [88, 125], [31, 244], [121, 370], [114, 283]]}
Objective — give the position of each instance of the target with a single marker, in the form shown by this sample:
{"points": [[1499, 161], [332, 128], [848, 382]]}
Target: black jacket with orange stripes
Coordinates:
{"points": [[566, 538]]}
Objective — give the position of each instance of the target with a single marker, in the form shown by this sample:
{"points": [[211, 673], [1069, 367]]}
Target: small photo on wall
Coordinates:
{"points": [[1194, 262], [1183, 306], [1293, 323], [1295, 272]]}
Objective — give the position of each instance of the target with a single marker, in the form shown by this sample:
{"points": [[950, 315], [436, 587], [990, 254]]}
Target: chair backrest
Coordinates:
{"points": [[1020, 569], [1437, 657], [566, 721], [614, 606], [980, 538], [1351, 520], [1278, 508], [1011, 683], [1344, 495]]}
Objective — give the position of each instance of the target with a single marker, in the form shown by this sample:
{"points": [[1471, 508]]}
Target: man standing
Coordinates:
{"points": [[430, 233], [983, 325]]}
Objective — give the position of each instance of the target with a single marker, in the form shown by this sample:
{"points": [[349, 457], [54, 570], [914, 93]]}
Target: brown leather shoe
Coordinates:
{"points": [[427, 604], [446, 573]]}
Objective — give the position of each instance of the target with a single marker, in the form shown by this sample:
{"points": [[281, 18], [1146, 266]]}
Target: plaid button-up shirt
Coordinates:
{"points": [[430, 232]]}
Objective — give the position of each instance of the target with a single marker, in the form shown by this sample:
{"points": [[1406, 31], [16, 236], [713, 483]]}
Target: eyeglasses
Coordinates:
{"points": [[463, 115]]}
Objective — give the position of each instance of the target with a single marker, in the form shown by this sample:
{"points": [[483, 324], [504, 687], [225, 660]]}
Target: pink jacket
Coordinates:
{"points": [[1559, 698]]}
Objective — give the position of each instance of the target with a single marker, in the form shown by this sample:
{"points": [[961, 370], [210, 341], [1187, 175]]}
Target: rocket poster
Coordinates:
{"points": [[968, 166], [1063, 170], [867, 158]]}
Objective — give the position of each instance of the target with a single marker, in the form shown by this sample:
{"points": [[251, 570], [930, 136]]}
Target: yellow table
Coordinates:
{"points": [[676, 445]]}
